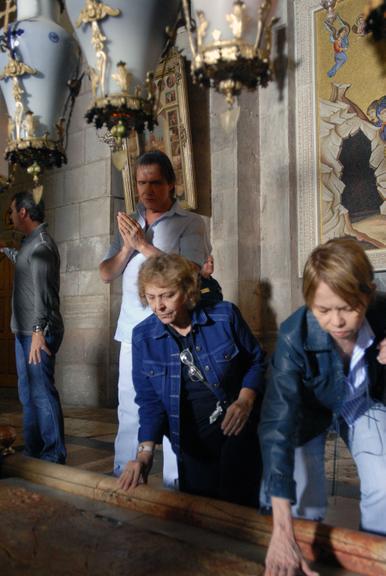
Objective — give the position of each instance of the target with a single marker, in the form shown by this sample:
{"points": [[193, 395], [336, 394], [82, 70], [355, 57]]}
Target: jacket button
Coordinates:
{"points": [[207, 368], [151, 372], [216, 385], [198, 348], [226, 356]]}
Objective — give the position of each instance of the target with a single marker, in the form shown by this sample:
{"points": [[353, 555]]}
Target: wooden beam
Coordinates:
{"points": [[355, 551]]}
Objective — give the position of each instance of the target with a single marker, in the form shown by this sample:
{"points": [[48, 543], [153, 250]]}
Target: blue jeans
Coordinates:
{"points": [[366, 440], [43, 426]]}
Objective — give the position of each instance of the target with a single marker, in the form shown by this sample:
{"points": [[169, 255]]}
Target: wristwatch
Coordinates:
{"points": [[37, 328], [145, 448]]}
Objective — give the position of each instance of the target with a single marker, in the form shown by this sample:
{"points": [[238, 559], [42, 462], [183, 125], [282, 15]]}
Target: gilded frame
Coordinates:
{"points": [[172, 135], [308, 168]]}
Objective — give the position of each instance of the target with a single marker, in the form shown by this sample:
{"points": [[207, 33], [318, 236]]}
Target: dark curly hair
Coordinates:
{"points": [[26, 200]]}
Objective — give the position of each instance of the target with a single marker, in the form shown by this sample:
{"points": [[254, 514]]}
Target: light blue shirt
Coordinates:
{"points": [[177, 231], [357, 399]]}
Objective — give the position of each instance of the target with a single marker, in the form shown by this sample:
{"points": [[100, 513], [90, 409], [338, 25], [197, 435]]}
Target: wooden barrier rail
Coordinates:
{"points": [[355, 551]]}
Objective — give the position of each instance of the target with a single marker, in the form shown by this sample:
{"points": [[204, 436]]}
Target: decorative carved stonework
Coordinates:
{"points": [[306, 151]]}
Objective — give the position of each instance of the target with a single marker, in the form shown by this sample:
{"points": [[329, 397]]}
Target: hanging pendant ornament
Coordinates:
{"points": [[34, 170]]}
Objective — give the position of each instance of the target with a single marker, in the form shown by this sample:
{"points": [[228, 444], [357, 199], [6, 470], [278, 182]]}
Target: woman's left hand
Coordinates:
{"points": [[135, 471], [238, 413], [382, 352]]}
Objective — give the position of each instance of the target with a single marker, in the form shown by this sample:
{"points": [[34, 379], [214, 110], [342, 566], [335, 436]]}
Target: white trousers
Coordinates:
{"points": [[366, 440], [126, 441]]}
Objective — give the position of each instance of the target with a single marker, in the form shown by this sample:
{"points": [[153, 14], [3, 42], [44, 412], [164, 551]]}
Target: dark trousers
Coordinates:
{"points": [[227, 467]]}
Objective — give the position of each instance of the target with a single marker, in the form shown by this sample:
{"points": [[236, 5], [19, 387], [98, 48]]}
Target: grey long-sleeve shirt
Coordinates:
{"points": [[35, 298]]}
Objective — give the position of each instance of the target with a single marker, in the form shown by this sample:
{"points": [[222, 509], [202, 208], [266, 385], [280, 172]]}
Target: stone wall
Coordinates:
{"points": [[79, 204], [254, 199], [235, 221]]}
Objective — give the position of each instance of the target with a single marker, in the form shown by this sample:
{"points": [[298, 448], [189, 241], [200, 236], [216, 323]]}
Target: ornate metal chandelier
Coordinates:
{"points": [[230, 43], [122, 43], [37, 60]]}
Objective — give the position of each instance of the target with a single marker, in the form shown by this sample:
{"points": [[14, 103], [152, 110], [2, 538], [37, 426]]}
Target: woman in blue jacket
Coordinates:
{"points": [[328, 368], [198, 374]]}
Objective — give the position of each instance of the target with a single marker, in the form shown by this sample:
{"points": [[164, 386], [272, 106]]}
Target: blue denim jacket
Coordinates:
{"points": [[306, 390], [228, 355]]}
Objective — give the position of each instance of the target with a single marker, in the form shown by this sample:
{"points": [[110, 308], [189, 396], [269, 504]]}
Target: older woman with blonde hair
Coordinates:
{"points": [[328, 369], [198, 374]]}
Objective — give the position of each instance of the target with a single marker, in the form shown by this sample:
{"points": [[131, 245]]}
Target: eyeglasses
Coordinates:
{"points": [[186, 358], [195, 375]]}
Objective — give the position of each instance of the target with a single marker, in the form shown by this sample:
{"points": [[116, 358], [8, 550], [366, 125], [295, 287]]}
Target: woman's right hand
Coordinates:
{"points": [[135, 472], [284, 557]]}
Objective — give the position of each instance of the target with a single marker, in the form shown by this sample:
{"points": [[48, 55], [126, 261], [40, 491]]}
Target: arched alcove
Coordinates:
{"points": [[360, 196]]}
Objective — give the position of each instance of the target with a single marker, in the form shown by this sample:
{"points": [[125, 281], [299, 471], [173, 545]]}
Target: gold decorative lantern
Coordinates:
{"points": [[230, 43], [122, 41]]}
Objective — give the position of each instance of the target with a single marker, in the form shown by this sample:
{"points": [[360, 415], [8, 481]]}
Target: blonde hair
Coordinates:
{"points": [[342, 264], [170, 270]]}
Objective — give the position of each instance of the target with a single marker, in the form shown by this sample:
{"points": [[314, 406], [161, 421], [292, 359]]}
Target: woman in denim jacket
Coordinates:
{"points": [[198, 374], [328, 367]]}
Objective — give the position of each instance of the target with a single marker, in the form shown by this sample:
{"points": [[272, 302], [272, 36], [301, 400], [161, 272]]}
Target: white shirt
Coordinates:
{"points": [[357, 400], [177, 231]]}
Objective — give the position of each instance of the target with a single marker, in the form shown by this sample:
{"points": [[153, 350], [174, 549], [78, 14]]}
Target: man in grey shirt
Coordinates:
{"points": [[158, 225], [38, 328]]}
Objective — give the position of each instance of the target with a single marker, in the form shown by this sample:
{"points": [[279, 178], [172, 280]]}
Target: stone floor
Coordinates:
{"points": [[90, 434]]}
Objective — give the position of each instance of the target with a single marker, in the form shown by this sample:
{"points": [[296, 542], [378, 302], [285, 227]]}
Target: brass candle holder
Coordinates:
{"points": [[7, 438]]}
